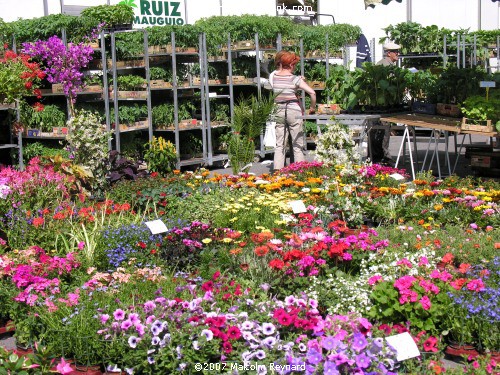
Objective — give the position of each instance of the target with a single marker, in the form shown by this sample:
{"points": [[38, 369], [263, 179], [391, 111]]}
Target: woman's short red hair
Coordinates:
{"points": [[288, 59]]}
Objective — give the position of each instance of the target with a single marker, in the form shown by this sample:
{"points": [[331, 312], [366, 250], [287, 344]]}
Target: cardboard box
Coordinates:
{"points": [[480, 161]]}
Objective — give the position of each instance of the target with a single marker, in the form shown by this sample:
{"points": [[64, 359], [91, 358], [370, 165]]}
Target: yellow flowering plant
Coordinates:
{"points": [[160, 155]]}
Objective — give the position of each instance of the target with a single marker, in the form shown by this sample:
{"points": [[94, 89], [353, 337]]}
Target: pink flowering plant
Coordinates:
{"points": [[35, 278], [421, 300]]}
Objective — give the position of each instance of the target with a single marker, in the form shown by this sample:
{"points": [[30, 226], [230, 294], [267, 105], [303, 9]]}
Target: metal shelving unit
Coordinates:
{"points": [[114, 70], [12, 144]]}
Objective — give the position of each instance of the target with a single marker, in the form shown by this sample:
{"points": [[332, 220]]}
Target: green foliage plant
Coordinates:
{"points": [[378, 86], [49, 117], [31, 150], [454, 85], [422, 86], [130, 82], [129, 114], [250, 116], [477, 107], [163, 115], [339, 85], [157, 72], [111, 15]]}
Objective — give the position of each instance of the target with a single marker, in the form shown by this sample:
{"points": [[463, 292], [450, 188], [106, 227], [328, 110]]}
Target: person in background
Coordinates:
{"points": [[381, 138], [285, 87], [362, 51], [391, 54]]}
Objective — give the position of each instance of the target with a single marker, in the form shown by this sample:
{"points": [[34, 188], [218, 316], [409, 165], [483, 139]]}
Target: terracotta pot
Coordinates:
{"points": [[23, 350], [355, 231], [81, 369], [7, 327], [459, 351]]}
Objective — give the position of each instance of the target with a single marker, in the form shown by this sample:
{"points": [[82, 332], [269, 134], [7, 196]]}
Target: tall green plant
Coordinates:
{"points": [[378, 86], [250, 116], [88, 141]]}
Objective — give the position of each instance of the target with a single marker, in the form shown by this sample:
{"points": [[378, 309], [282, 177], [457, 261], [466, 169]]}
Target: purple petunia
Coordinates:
{"points": [[358, 342], [209, 335], [329, 342], [330, 368], [126, 324], [314, 357], [362, 360], [269, 342]]}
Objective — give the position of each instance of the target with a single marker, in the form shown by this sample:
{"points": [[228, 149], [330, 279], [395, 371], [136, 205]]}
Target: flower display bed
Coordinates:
{"points": [[237, 276]]}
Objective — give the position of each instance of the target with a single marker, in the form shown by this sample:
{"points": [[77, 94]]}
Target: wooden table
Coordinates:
{"points": [[438, 124]]}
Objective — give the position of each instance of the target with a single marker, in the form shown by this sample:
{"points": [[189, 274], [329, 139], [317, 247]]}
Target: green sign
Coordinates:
{"points": [[157, 12]]}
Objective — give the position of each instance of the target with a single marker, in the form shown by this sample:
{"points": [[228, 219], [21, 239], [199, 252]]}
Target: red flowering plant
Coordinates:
{"points": [[19, 76], [307, 253]]}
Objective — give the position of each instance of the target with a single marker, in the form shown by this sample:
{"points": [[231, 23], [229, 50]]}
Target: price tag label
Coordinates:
{"points": [[156, 226], [404, 345], [298, 207], [487, 84]]}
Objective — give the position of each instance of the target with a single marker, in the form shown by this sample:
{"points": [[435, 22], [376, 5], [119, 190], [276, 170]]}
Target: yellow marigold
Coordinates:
{"points": [[438, 207], [446, 200], [206, 241], [227, 240]]}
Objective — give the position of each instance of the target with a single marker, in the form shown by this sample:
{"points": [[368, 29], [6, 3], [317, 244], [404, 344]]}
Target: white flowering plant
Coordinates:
{"points": [[336, 146], [88, 144], [344, 293]]}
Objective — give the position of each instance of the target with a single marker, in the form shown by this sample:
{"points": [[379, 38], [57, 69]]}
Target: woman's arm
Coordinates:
{"points": [[304, 86]]}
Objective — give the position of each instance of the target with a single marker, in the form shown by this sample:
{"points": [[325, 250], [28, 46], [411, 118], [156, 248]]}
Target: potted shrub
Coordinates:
{"points": [[51, 119], [479, 110], [421, 87], [163, 116], [250, 116], [116, 17]]}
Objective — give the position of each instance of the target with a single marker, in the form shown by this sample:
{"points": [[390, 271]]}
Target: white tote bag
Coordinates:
{"points": [[270, 134]]}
